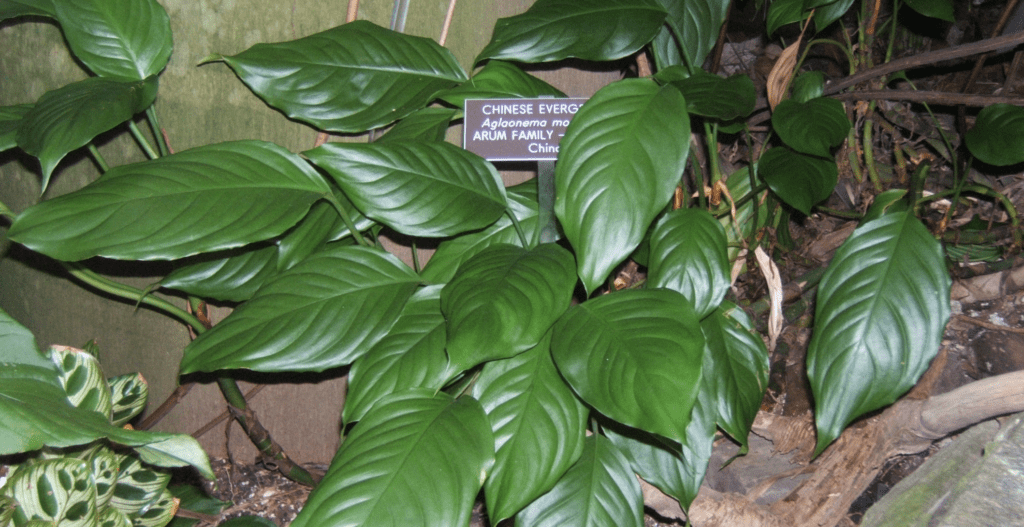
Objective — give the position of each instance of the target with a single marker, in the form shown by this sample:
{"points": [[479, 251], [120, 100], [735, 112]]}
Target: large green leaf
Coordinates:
{"points": [[721, 98], [800, 180], [418, 188], [830, 12], [323, 313], [415, 459], [635, 356], [882, 306], [68, 118], [58, 490], [425, 124], [997, 137], [10, 120], [503, 300], [697, 23], [16, 8], [411, 355], [538, 426], [350, 78], [620, 161], [36, 412], [688, 255], [499, 80], [782, 12], [814, 127], [596, 30], [130, 39], [735, 369], [941, 9], [18, 345], [599, 489], [204, 199], [452, 253]]}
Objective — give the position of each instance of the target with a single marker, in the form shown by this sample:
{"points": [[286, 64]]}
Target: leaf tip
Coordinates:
{"points": [[215, 57]]}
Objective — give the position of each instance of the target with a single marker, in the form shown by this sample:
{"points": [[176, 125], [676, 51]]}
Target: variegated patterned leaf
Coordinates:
{"points": [[129, 394], [111, 517], [159, 512], [82, 378], [137, 486], [104, 465], [55, 490]]}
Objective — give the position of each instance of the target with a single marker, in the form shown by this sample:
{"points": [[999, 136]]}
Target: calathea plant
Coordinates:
{"points": [[477, 371]]}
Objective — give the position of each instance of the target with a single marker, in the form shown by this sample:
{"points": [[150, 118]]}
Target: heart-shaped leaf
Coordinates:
{"points": [[428, 453], [807, 86], [697, 23], [350, 78], [10, 120], [735, 369], [813, 127], [130, 39], [411, 355], [538, 426], [504, 299], [450, 254], [204, 199], [883, 304], [56, 490], [827, 13], [597, 30], [499, 80], [16, 8], [721, 98], [323, 313], [782, 12], [417, 188], [800, 180], [599, 489], [688, 255], [998, 135], [68, 118], [619, 164], [425, 124], [635, 356]]}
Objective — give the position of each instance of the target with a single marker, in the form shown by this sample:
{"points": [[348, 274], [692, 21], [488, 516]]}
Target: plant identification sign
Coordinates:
{"points": [[517, 129]]}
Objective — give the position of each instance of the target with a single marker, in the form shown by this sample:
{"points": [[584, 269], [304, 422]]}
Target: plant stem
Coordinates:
{"points": [[154, 125], [5, 211], [447, 22], [711, 134], [146, 147], [104, 167], [519, 228], [869, 156], [348, 221], [128, 292]]}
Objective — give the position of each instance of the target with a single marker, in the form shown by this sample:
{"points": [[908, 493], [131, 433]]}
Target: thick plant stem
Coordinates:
{"points": [[348, 222], [154, 126], [141, 139], [104, 167]]}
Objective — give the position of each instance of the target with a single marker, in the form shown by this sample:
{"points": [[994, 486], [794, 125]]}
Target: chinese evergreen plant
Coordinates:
{"points": [[478, 371]]}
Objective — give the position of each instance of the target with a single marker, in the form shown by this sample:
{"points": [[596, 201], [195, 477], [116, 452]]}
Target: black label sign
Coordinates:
{"points": [[517, 129]]}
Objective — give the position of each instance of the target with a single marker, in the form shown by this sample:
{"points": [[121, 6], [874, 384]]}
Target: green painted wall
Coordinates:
{"points": [[199, 105]]}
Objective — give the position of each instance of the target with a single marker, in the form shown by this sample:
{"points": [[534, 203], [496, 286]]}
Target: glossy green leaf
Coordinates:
{"points": [[417, 188], [17, 8], [68, 118], [350, 78], [503, 300], [18, 345], [205, 199], [800, 180], [323, 313], [721, 98], [452, 253], [538, 426], [599, 489], [635, 356], [411, 355], [697, 23], [882, 306], [10, 120], [425, 124], [941, 9], [814, 127], [232, 276], [194, 499], [82, 378], [427, 453], [997, 137], [807, 86], [499, 80], [129, 394], [825, 14], [598, 30], [130, 39], [137, 486], [782, 12], [688, 255], [59, 490], [735, 369], [886, 202], [620, 161]]}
